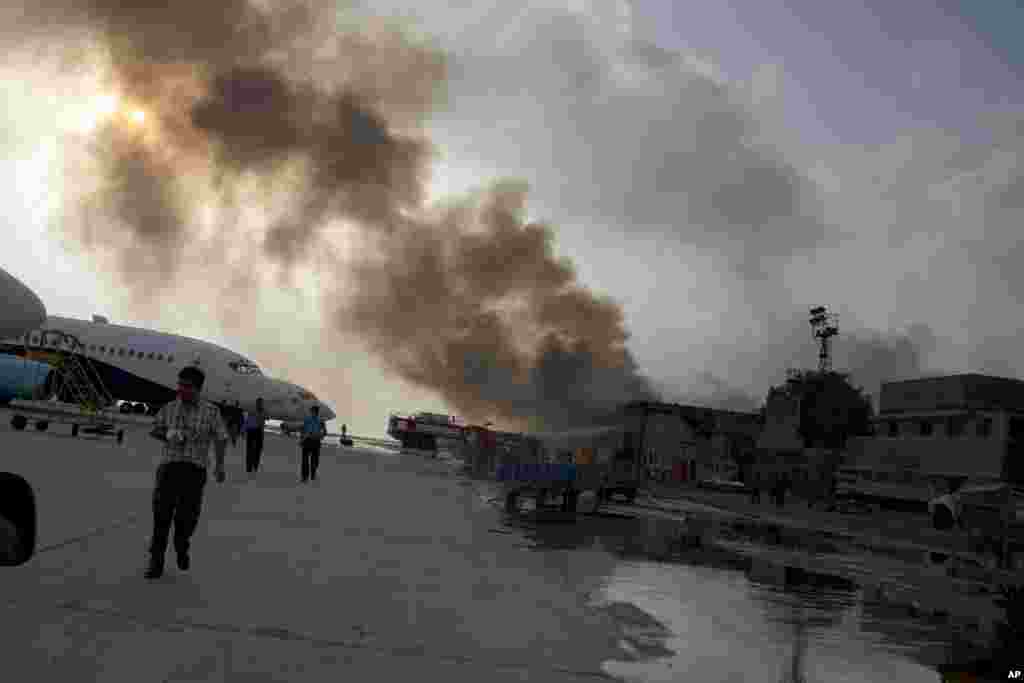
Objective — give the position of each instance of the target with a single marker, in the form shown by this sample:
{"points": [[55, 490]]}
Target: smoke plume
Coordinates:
{"points": [[326, 123]]}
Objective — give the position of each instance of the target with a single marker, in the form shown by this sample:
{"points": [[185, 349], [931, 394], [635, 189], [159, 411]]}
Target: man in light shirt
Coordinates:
{"points": [[313, 431], [187, 426]]}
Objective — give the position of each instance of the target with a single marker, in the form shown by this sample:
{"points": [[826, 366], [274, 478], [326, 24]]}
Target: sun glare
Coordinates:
{"points": [[106, 105], [107, 108], [96, 111]]}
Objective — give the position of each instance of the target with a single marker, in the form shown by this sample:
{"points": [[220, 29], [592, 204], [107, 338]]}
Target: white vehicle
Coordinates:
{"points": [[140, 367], [951, 509]]}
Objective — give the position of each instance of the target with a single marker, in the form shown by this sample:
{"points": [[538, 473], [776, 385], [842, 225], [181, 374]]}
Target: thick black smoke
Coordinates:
{"points": [[469, 302], [477, 303]]}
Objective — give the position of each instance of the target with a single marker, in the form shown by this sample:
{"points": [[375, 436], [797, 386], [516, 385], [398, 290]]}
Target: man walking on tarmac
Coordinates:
{"points": [[313, 431], [186, 426], [254, 424]]}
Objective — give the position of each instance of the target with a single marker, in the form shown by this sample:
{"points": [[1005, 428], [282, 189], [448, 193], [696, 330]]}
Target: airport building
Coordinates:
{"points": [[935, 432], [680, 443], [673, 442]]}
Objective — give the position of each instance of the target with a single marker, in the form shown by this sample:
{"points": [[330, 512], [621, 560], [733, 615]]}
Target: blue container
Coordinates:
{"points": [[21, 378]]}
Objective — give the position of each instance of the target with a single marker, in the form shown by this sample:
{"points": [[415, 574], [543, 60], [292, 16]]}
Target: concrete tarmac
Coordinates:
{"points": [[387, 568]]}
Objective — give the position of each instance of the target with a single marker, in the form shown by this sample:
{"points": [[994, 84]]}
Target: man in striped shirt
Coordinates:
{"points": [[187, 426]]}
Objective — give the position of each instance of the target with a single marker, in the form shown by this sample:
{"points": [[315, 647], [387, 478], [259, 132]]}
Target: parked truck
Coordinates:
{"points": [[422, 431], [562, 466], [992, 515]]}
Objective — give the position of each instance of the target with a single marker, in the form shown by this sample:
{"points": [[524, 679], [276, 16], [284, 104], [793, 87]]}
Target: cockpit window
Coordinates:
{"points": [[243, 367]]}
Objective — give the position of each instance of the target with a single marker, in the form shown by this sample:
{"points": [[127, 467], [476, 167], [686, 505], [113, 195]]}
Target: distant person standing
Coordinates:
{"points": [[313, 432], [254, 424], [187, 426], [234, 423]]}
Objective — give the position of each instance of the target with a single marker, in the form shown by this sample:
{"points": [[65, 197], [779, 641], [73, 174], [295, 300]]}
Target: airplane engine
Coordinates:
{"points": [[21, 378]]}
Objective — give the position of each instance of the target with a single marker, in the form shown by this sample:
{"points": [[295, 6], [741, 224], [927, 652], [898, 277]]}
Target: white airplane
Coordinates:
{"points": [[20, 308], [140, 366]]}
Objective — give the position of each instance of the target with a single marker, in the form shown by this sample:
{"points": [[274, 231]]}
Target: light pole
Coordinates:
{"points": [[825, 325]]}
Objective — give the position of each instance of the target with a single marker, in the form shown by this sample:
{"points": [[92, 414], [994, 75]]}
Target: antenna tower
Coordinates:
{"points": [[825, 326]]}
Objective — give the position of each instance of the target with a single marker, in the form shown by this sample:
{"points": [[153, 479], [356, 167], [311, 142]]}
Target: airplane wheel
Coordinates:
{"points": [[42, 425], [74, 430], [19, 422], [120, 436]]}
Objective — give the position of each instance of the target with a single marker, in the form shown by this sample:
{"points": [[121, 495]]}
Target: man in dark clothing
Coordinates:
{"points": [[783, 487], [186, 426], [254, 424], [234, 423], [313, 431]]}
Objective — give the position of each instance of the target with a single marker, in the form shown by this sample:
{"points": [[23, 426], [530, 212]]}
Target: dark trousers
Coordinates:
{"points": [[178, 498], [253, 449], [310, 458]]}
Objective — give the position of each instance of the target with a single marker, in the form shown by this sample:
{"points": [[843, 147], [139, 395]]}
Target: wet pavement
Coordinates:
{"points": [[394, 566]]}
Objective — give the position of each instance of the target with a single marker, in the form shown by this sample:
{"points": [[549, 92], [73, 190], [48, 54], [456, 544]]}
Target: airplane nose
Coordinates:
{"points": [[326, 413]]}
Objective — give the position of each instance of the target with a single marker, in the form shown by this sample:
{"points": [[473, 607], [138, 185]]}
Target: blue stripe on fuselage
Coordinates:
{"points": [[123, 385]]}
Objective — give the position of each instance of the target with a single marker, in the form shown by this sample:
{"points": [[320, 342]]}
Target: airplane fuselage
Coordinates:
{"points": [[142, 365]]}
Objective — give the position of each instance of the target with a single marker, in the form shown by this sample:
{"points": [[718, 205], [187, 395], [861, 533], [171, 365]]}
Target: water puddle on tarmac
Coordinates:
{"points": [[718, 599]]}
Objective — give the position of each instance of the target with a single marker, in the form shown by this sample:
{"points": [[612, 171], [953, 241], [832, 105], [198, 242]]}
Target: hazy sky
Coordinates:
{"points": [[715, 167]]}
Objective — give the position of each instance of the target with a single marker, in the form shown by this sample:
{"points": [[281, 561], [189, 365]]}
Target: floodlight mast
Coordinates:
{"points": [[824, 326]]}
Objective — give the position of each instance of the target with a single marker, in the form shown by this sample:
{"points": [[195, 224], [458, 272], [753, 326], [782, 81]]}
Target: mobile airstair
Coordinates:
{"points": [[74, 392]]}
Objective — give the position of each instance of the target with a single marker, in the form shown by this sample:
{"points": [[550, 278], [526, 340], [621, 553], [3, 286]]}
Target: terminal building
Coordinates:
{"points": [[671, 442], [935, 433]]}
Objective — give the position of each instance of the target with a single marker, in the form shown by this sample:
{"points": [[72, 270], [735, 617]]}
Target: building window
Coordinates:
{"points": [[985, 427], [894, 428], [926, 428]]}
